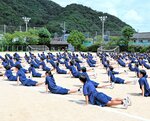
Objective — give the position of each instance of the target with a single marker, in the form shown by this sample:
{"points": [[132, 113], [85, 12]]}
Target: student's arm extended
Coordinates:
{"points": [[46, 88], [86, 100], [142, 88], [17, 81]]}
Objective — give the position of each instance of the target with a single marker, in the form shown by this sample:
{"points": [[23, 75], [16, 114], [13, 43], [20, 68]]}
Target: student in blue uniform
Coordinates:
{"points": [[44, 67], [89, 63], [77, 64], [9, 74], [73, 70], [51, 61], [19, 63], [53, 88], [96, 85], [144, 86], [21, 77], [67, 63], [117, 80], [60, 71], [33, 71], [99, 98], [146, 65], [121, 62], [35, 65]]}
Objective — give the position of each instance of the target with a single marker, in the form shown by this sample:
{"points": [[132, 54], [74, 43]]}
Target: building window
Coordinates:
{"points": [[141, 41]]}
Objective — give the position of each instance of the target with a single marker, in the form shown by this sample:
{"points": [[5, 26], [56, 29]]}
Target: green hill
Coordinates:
{"points": [[49, 14]]}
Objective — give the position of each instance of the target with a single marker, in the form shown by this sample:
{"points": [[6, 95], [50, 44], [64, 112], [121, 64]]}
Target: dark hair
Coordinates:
{"points": [[42, 59], [57, 64], [7, 67], [83, 78], [31, 65], [71, 63], [18, 66], [143, 72], [49, 73], [83, 69], [136, 64], [111, 68]]}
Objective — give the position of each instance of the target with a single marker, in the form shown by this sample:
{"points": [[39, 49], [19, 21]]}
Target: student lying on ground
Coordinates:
{"points": [[117, 80], [96, 85], [99, 98], [21, 77], [53, 88], [9, 75]]}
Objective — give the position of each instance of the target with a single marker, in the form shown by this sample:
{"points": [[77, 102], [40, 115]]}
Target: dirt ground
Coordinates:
{"points": [[19, 103]]}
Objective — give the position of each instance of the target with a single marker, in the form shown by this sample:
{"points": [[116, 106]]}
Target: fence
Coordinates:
{"points": [[23, 48], [13, 48]]}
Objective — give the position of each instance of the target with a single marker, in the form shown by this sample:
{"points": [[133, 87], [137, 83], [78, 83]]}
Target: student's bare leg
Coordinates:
{"points": [[72, 91], [114, 102], [103, 86], [39, 83]]}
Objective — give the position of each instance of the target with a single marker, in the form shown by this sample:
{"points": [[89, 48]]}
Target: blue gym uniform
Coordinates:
{"points": [[34, 64], [24, 80], [90, 64], [121, 63], [44, 67], [74, 72], [10, 76], [95, 98], [50, 81], [60, 71], [51, 62], [146, 65], [115, 79], [34, 73], [78, 66], [143, 81], [88, 79]]}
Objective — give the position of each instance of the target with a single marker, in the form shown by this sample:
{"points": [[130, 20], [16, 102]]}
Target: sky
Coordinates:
{"points": [[134, 12]]}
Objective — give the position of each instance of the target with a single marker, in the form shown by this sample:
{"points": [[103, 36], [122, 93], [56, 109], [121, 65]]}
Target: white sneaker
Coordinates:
{"points": [[128, 100], [125, 105], [112, 85]]}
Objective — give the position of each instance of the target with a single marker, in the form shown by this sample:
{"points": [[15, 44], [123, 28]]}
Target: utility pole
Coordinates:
{"points": [[20, 28], [26, 20], [4, 28], [103, 19]]}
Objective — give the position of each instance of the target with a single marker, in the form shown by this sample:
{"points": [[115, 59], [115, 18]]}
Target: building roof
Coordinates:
{"points": [[143, 35], [59, 43]]}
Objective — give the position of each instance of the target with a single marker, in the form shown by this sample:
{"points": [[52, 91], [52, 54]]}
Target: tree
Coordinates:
{"points": [[21, 38], [127, 32], [44, 36], [76, 38]]}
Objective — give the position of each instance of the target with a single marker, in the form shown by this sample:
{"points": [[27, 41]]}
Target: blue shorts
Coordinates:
{"points": [[62, 72], [102, 99], [46, 69], [30, 82], [37, 75], [119, 80], [95, 84], [62, 91], [77, 75], [12, 78]]}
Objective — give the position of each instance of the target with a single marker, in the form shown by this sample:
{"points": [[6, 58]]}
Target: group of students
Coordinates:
{"points": [[77, 66]]}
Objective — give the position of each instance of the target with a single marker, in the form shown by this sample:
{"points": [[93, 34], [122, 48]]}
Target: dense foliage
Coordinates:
{"points": [[76, 38], [32, 37], [49, 14]]}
